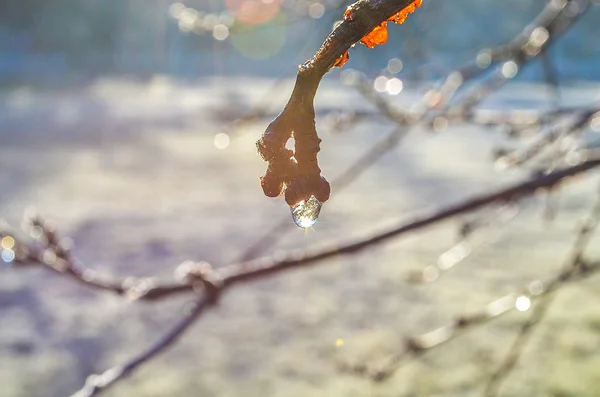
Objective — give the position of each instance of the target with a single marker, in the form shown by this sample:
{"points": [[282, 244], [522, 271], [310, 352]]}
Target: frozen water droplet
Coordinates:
{"points": [[306, 212]]}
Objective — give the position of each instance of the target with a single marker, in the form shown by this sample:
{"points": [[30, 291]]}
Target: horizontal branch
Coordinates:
{"points": [[244, 271], [211, 283], [145, 289], [56, 259]]}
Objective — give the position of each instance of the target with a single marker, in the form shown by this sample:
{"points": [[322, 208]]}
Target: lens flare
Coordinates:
{"points": [[254, 12], [260, 41]]}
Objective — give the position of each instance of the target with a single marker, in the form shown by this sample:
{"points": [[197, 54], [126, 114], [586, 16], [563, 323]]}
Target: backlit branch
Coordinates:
{"points": [[297, 172], [555, 19], [210, 284]]}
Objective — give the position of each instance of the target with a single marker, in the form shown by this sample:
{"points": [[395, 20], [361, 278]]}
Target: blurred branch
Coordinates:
{"points": [[96, 384], [55, 253], [575, 265], [497, 217], [542, 291], [59, 260], [579, 121], [210, 284], [419, 345]]}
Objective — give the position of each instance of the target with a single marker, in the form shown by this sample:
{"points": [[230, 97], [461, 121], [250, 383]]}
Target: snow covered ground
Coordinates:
{"points": [[133, 175]]}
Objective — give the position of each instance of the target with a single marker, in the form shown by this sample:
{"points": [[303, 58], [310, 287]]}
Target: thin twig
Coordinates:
{"points": [[574, 265], [418, 345], [542, 291], [465, 247], [55, 254], [96, 384]]}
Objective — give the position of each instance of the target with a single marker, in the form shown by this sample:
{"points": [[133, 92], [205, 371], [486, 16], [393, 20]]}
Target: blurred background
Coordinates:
{"points": [[75, 41], [120, 121]]}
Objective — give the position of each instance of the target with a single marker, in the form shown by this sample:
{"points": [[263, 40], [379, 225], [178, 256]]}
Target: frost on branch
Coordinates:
{"points": [[296, 174]]}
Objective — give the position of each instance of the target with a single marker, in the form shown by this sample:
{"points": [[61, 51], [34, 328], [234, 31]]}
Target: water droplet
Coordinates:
{"points": [[306, 212]]}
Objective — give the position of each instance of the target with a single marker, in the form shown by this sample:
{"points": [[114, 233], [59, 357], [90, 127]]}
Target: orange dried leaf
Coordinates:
{"points": [[341, 61], [377, 36], [409, 9]]}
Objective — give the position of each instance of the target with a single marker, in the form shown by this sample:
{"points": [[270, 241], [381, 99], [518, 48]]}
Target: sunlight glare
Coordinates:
{"points": [[523, 303]]}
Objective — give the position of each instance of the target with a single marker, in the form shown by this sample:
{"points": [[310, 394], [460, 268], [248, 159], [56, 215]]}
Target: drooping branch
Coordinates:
{"points": [[555, 18], [297, 172]]}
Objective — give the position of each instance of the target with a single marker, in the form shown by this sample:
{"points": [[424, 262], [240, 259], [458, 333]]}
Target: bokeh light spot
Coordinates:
{"points": [[220, 32], [394, 65], [316, 10], [380, 84], [484, 58], [523, 303], [8, 242], [394, 86], [440, 124], [37, 231], [221, 140], [8, 255], [510, 69], [176, 9], [254, 12]]}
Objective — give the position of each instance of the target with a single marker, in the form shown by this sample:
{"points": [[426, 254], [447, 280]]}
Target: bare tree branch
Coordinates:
{"points": [[211, 284], [52, 252], [555, 19], [96, 384], [574, 265], [297, 174], [245, 271], [419, 345]]}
